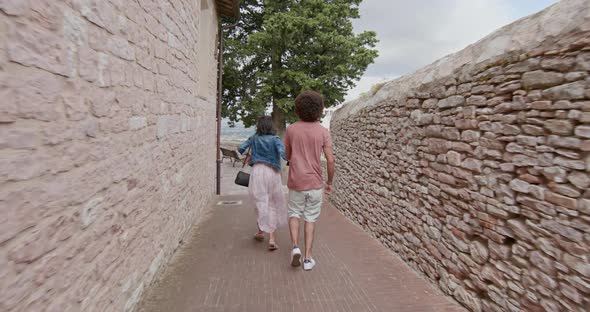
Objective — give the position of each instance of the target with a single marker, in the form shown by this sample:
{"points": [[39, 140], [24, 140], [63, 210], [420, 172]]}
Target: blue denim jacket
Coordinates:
{"points": [[265, 149]]}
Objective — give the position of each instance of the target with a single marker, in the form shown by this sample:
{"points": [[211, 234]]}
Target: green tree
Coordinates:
{"points": [[281, 47]]}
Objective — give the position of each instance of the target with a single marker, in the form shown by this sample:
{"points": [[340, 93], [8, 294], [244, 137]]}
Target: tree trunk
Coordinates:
{"points": [[278, 119], [278, 116]]}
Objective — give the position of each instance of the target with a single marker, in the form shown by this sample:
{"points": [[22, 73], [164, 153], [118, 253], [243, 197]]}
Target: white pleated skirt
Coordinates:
{"points": [[266, 190]]}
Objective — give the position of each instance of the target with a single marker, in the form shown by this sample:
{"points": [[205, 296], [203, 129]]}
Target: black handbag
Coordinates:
{"points": [[243, 178]]}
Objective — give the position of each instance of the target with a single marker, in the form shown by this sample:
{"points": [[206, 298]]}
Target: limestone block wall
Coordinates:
{"points": [[107, 145], [479, 177]]}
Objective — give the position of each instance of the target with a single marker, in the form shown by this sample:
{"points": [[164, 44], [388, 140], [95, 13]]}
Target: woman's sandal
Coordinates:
{"points": [[259, 237], [272, 246]]}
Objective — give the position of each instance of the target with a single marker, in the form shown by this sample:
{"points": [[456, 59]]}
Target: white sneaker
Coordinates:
{"points": [[308, 264], [296, 257]]}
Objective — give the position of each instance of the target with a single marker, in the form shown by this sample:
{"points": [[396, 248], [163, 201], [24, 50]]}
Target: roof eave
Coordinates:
{"points": [[228, 8]]}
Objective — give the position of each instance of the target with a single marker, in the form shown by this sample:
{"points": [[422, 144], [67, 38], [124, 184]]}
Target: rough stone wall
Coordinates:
{"points": [[107, 138], [480, 178]]}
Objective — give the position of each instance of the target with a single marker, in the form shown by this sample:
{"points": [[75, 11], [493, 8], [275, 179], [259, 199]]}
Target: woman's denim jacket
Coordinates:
{"points": [[267, 149]]}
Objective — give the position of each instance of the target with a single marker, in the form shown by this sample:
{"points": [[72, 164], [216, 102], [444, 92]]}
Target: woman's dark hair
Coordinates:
{"points": [[309, 106], [265, 126]]}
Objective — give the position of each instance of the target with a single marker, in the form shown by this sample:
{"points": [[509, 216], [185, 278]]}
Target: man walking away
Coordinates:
{"points": [[305, 141]]}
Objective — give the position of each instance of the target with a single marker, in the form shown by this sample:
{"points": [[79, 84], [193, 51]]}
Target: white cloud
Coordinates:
{"points": [[415, 33]]}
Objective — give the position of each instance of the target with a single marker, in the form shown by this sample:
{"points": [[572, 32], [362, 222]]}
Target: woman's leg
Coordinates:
{"points": [[259, 236], [256, 197], [276, 216], [272, 244]]}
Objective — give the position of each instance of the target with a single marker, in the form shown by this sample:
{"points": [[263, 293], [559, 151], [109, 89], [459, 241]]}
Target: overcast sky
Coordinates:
{"points": [[415, 33]]}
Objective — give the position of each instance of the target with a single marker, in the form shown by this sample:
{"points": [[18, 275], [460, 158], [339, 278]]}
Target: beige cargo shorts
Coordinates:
{"points": [[305, 204]]}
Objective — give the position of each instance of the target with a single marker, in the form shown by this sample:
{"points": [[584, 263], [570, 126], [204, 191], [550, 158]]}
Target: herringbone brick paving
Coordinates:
{"points": [[221, 268]]}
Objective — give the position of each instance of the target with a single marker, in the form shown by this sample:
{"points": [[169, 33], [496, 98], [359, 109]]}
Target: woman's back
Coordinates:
{"points": [[265, 187], [266, 148]]}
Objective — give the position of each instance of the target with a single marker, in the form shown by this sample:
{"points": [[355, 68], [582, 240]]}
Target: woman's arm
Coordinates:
{"points": [[245, 145], [287, 144], [281, 148]]}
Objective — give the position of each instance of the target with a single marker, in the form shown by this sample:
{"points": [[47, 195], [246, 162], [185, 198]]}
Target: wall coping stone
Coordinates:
{"points": [[525, 34]]}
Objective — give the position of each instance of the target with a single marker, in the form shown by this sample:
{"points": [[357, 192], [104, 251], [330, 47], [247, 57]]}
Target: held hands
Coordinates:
{"points": [[328, 189]]}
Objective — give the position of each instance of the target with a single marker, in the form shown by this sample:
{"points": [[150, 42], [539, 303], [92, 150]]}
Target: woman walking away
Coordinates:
{"points": [[265, 186]]}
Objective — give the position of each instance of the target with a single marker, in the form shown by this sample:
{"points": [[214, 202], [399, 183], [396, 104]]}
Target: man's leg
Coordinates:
{"points": [[296, 206], [294, 230], [295, 209], [309, 231], [312, 213]]}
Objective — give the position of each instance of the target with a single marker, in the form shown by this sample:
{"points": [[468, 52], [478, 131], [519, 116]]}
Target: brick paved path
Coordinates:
{"points": [[221, 268]]}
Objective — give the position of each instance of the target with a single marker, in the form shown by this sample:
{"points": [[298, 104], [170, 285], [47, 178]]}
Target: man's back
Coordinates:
{"points": [[307, 141]]}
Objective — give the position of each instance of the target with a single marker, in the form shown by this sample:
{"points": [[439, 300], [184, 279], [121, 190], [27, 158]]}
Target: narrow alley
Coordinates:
{"points": [[220, 267]]}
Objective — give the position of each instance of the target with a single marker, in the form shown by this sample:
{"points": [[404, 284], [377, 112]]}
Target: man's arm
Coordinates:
{"points": [[281, 148], [331, 164]]}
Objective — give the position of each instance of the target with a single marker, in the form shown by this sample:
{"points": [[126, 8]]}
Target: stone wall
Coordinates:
{"points": [[107, 142], [479, 178]]}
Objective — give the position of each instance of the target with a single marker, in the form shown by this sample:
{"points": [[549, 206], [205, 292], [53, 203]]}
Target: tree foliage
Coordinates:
{"points": [[281, 47]]}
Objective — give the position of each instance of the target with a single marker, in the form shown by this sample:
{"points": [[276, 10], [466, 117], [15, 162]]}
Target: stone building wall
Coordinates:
{"points": [[479, 177], [107, 138]]}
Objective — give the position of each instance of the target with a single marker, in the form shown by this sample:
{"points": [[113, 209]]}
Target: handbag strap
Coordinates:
{"points": [[247, 156]]}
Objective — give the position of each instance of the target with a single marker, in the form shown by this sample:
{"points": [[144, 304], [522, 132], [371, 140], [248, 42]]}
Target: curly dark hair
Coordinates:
{"points": [[309, 106], [265, 126]]}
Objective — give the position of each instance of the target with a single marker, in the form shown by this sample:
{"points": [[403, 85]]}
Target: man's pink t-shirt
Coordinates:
{"points": [[307, 141]]}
